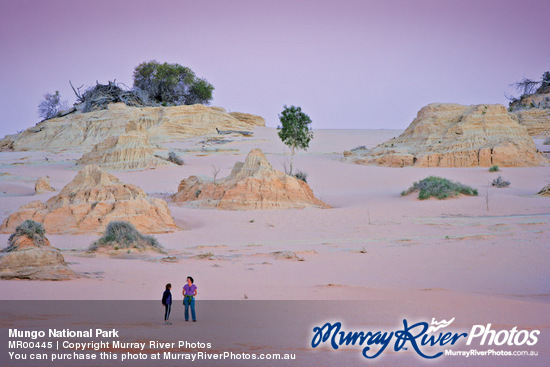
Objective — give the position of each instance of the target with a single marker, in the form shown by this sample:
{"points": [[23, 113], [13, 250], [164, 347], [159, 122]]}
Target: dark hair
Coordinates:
{"points": [[192, 281], [168, 286]]}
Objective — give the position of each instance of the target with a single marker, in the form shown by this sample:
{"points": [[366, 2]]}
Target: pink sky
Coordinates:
{"points": [[349, 64]]}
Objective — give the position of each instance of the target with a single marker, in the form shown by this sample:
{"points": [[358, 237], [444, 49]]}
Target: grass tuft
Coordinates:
{"points": [[123, 235]]}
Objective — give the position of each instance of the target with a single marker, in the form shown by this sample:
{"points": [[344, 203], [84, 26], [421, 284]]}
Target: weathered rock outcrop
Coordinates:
{"points": [[30, 258], [131, 150], [92, 200], [452, 135], [533, 111], [253, 184], [162, 124], [42, 185], [249, 118], [536, 120]]}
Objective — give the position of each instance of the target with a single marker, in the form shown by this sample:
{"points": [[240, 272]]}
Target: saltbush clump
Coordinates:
{"points": [[440, 188], [494, 168], [301, 175], [34, 230], [500, 182], [174, 158], [123, 235]]}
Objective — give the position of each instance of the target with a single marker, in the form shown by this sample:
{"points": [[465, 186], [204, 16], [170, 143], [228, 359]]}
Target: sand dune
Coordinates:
{"points": [[439, 255]]}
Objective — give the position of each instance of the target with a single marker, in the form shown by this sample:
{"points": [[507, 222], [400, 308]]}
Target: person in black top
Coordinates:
{"points": [[167, 303]]}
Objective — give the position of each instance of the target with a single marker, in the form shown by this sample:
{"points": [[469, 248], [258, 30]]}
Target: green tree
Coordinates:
{"points": [[199, 92], [172, 84], [294, 131]]}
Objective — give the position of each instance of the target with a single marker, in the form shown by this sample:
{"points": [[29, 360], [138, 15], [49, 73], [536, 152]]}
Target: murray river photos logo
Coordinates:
{"points": [[427, 340]]}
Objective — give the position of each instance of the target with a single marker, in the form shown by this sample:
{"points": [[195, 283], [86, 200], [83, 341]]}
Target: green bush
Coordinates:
{"points": [[123, 235], [34, 230], [440, 188], [172, 84], [494, 168]]}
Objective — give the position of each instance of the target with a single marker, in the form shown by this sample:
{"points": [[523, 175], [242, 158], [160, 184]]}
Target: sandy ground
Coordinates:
{"points": [[428, 257]]}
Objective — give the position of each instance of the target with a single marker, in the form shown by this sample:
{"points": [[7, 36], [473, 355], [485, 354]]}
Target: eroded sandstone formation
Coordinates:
{"points": [[33, 258], [533, 110], [536, 120], [254, 184], [162, 124], [92, 200], [42, 185], [128, 151], [249, 118], [453, 135]]}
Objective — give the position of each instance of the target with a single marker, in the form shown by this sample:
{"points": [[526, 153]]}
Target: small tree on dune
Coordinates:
{"points": [[51, 105], [294, 131]]}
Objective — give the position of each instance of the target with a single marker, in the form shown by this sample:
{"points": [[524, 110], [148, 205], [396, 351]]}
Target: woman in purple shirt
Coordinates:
{"points": [[189, 292]]}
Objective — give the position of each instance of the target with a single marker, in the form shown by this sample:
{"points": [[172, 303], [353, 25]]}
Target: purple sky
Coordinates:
{"points": [[349, 64]]}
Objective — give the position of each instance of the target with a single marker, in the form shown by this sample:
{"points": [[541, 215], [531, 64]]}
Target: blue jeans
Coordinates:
{"points": [[187, 304], [167, 309]]}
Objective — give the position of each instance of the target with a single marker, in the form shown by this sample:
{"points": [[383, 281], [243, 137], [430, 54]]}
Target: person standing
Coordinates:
{"points": [[189, 292], [167, 303]]}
